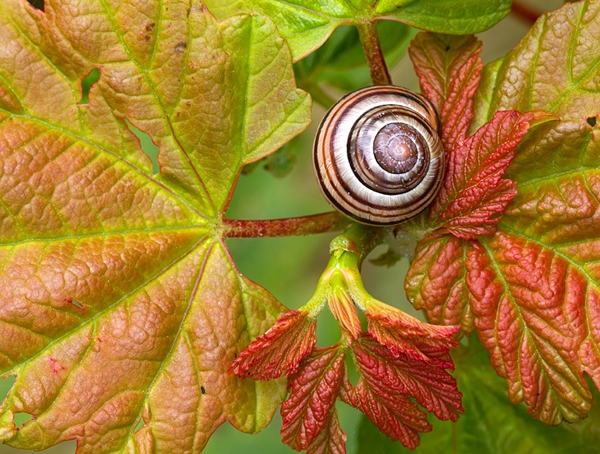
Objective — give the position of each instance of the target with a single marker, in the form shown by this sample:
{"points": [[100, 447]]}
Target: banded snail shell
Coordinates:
{"points": [[378, 156]]}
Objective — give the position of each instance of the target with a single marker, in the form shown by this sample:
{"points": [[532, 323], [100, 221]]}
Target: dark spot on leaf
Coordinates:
{"points": [[150, 27], [591, 121], [180, 47], [189, 104], [86, 85], [202, 390], [148, 147], [147, 38], [447, 48], [37, 4]]}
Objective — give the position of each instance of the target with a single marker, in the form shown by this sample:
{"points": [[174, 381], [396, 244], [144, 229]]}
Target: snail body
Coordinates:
{"points": [[378, 156]]}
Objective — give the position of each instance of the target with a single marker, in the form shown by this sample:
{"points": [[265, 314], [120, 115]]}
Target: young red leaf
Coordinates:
{"points": [[474, 194], [279, 350], [430, 385], [532, 311], [435, 281], [403, 334], [329, 441], [449, 70], [393, 413], [309, 417]]}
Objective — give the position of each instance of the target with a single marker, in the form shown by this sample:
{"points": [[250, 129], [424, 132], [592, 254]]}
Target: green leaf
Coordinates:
{"points": [[307, 24], [491, 424], [121, 306], [460, 17]]}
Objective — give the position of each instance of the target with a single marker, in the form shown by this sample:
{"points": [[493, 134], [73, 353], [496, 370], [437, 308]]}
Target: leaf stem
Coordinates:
{"points": [[303, 225], [524, 12], [367, 31]]}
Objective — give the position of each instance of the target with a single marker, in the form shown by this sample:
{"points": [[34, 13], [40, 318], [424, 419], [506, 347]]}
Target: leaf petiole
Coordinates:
{"points": [[367, 32], [303, 225]]}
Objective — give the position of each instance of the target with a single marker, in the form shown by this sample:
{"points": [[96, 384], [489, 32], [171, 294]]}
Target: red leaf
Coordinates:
{"points": [[309, 417], [330, 441], [529, 307], [394, 414], [436, 281], [386, 374], [474, 194], [279, 350], [403, 334], [449, 70]]}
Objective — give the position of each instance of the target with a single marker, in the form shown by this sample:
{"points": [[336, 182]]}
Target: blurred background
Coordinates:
{"points": [[290, 267]]}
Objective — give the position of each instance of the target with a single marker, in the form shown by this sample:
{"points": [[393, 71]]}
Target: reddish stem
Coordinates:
{"points": [[304, 225], [367, 31], [525, 12]]}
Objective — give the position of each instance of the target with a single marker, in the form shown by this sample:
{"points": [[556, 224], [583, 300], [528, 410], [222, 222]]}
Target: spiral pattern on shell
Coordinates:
{"points": [[378, 156]]}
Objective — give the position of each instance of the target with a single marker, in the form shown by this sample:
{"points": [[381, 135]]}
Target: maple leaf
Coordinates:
{"points": [[278, 351], [121, 304], [310, 420], [530, 289]]}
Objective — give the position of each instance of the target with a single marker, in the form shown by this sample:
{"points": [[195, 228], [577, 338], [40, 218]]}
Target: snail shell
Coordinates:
{"points": [[378, 156]]}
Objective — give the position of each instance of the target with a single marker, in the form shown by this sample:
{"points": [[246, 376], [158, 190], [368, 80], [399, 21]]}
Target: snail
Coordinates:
{"points": [[378, 156]]}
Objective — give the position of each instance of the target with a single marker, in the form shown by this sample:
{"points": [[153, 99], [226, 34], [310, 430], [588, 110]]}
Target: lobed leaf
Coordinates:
{"points": [[307, 24], [121, 303], [310, 420]]}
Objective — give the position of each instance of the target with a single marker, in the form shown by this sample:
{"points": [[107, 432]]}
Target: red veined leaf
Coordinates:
{"points": [[435, 281], [532, 311], [404, 334], [279, 350], [309, 416], [430, 385], [449, 70], [394, 414], [329, 441], [474, 194]]}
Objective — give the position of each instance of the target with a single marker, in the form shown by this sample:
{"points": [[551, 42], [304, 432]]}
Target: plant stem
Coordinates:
{"points": [[304, 225], [367, 31], [524, 12]]}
